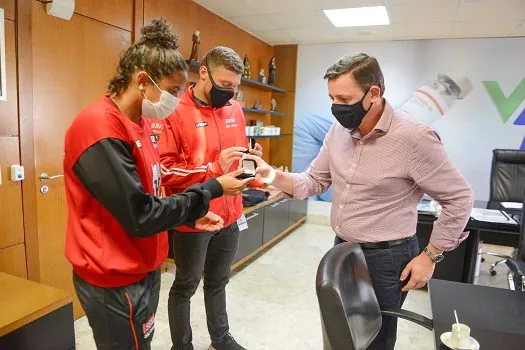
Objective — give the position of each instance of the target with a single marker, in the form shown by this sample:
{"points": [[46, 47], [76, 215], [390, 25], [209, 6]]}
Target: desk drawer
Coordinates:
{"points": [[276, 219], [298, 210], [252, 238]]}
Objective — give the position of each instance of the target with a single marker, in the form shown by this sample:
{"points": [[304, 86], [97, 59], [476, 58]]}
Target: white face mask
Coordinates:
{"points": [[159, 110]]}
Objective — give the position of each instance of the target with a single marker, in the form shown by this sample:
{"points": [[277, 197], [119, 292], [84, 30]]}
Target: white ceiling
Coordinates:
{"points": [[303, 21]]}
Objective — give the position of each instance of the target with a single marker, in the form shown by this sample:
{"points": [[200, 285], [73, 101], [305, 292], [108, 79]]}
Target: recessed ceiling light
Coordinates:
{"points": [[358, 16]]}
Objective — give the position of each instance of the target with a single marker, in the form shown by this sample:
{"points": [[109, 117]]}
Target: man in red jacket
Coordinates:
{"points": [[205, 138]]}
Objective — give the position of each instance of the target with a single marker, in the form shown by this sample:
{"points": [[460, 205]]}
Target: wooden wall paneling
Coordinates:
{"points": [[25, 112], [11, 215], [281, 151], [9, 9], [187, 17], [13, 260], [286, 61], [183, 15], [285, 104], [8, 109], [118, 13], [77, 56], [138, 18]]}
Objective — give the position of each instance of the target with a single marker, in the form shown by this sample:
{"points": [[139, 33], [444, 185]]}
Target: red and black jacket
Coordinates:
{"points": [[116, 216], [191, 139]]}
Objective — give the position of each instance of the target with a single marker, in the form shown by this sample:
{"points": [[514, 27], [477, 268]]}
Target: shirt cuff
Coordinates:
{"points": [[214, 187], [445, 242]]}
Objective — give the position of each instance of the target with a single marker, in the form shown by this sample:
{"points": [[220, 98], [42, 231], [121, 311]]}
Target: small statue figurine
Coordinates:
{"points": [[271, 71], [195, 48], [262, 78], [247, 73], [240, 98], [257, 105], [274, 104]]}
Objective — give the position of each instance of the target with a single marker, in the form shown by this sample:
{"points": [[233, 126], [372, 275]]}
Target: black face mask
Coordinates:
{"points": [[219, 97], [350, 116]]}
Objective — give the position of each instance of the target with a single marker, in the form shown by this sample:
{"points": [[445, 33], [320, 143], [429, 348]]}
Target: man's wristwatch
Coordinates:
{"points": [[436, 258]]}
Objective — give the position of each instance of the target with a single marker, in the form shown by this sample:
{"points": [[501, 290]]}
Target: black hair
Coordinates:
{"points": [[155, 52]]}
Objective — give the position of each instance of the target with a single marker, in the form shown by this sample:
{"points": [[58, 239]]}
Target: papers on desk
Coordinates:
{"points": [[428, 207], [512, 205], [494, 216]]}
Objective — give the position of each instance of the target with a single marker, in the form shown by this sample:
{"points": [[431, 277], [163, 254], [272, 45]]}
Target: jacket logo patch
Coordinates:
{"points": [[201, 124], [138, 143], [230, 123], [154, 139]]}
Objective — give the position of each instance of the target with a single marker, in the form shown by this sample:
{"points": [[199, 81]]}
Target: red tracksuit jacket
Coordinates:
{"points": [[190, 143], [101, 251]]}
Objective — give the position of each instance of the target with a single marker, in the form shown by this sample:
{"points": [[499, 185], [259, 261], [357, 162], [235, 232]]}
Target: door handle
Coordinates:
{"points": [[252, 216], [45, 177]]}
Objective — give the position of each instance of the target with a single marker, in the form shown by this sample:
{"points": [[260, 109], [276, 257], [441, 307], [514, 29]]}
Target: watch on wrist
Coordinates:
{"points": [[436, 258]]}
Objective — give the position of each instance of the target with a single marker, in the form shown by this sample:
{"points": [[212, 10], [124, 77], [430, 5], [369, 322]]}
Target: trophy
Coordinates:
{"points": [[195, 47], [246, 74], [271, 71]]}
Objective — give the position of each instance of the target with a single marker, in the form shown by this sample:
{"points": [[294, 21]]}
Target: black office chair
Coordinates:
{"points": [[350, 313], [507, 184], [517, 265]]}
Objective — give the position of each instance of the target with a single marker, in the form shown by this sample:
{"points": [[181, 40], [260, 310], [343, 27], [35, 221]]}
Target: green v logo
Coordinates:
{"points": [[506, 105]]}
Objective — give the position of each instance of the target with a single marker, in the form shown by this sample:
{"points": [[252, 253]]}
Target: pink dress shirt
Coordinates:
{"points": [[379, 179]]}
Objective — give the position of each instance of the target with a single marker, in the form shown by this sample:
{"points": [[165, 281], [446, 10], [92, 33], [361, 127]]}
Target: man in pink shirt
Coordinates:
{"points": [[380, 163]]}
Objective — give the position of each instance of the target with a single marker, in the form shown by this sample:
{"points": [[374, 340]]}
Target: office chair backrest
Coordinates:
{"points": [[507, 178], [350, 313], [521, 244]]}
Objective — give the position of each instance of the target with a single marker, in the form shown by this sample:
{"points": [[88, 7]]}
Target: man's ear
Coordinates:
{"points": [[375, 92], [203, 72]]}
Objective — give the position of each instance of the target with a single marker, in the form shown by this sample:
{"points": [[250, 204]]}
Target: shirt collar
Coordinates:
{"points": [[386, 118], [383, 125]]}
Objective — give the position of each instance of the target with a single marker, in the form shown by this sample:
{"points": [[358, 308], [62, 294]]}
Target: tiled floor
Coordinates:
{"points": [[272, 303]]}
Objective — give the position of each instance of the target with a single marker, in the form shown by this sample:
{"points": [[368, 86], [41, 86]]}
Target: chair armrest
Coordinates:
{"points": [[410, 316], [503, 256], [516, 266]]}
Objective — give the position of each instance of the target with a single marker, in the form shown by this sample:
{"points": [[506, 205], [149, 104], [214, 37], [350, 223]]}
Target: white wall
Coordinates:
{"points": [[472, 128]]}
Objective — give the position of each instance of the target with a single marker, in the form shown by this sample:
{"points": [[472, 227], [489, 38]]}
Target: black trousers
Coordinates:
{"points": [[385, 267], [121, 318], [212, 253]]}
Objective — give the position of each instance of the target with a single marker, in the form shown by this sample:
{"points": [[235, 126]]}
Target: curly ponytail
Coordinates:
{"points": [[155, 52]]}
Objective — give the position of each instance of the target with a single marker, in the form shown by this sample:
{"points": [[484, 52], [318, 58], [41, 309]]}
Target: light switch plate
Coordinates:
{"points": [[17, 173]]}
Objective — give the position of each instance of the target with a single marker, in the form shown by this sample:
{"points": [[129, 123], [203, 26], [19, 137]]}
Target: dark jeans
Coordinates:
{"points": [[385, 267], [194, 253], [121, 318]]}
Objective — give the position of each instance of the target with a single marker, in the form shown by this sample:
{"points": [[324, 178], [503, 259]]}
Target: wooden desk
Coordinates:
{"points": [[459, 265], [34, 316]]}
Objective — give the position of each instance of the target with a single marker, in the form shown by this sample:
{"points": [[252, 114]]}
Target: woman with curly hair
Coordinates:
{"points": [[117, 218]]}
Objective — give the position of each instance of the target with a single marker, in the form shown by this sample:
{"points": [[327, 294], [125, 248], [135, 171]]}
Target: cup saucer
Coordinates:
{"points": [[446, 339]]}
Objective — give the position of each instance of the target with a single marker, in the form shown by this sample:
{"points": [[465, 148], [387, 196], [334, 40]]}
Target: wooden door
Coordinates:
{"points": [[72, 63], [12, 248]]}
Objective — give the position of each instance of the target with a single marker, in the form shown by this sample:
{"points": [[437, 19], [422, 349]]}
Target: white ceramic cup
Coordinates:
{"points": [[460, 334]]}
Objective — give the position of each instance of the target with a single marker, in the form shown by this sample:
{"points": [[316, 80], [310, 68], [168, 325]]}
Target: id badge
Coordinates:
{"points": [[242, 223]]}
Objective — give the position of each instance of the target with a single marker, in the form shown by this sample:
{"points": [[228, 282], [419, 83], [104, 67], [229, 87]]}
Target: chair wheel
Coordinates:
{"points": [[493, 272], [482, 259]]}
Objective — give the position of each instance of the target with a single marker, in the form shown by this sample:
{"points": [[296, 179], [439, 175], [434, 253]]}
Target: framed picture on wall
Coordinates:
{"points": [[3, 84]]}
